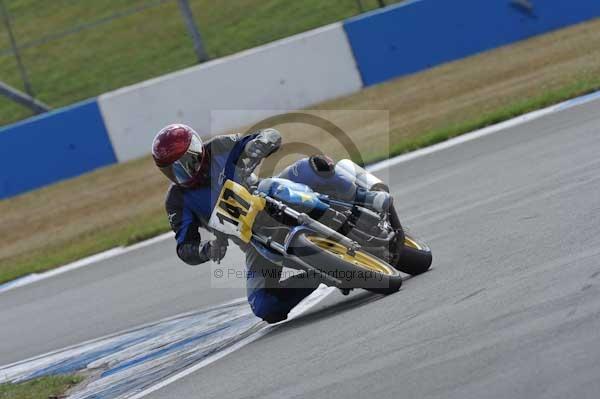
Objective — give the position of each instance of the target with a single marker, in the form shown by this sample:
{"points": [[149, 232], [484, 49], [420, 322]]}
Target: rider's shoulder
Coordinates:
{"points": [[223, 143]]}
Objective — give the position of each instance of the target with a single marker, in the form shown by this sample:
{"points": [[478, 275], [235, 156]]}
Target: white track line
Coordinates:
{"points": [[121, 332], [32, 278], [320, 294], [90, 260]]}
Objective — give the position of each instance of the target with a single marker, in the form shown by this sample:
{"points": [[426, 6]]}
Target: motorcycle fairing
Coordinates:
{"points": [[235, 211]]}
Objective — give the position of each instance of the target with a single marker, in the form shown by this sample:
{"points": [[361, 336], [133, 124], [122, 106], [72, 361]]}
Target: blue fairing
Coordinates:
{"points": [[298, 196]]}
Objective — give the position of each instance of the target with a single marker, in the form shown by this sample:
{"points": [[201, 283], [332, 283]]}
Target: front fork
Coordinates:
{"points": [[289, 259], [306, 223], [397, 226], [394, 219]]}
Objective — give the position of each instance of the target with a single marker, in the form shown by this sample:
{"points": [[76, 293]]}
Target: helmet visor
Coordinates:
{"points": [[187, 166]]}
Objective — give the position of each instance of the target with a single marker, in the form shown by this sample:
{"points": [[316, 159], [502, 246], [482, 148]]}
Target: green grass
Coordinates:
{"points": [[60, 254], [40, 388], [142, 45], [156, 223]]}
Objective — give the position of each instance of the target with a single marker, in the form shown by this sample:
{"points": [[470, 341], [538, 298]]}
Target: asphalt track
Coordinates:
{"points": [[511, 307]]}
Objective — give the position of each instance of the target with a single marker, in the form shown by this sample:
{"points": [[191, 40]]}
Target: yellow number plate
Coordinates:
{"points": [[235, 211]]}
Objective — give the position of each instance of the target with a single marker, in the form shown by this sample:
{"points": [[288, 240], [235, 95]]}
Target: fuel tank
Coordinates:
{"points": [[299, 196], [343, 183]]}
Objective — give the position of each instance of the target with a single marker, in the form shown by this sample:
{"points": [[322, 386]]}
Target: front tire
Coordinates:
{"points": [[361, 270]]}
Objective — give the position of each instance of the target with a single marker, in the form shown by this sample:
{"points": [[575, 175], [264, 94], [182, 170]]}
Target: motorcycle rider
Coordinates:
{"points": [[198, 170]]}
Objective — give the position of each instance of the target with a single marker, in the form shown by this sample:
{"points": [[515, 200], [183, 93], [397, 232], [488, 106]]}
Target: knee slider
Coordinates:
{"points": [[272, 318]]}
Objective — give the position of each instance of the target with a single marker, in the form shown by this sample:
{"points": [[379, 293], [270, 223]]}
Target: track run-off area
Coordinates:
{"points": [[511, 307]]}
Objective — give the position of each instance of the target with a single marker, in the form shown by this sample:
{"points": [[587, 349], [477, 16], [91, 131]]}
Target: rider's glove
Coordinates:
{"points": [[216, 249], [267, 142]]}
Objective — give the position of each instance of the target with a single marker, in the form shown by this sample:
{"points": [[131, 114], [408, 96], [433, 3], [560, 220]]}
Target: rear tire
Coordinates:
{"points": [[415, 257], [327, 257]]}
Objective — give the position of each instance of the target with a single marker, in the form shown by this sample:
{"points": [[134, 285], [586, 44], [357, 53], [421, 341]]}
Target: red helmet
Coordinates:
{"points": [[178, 152]]}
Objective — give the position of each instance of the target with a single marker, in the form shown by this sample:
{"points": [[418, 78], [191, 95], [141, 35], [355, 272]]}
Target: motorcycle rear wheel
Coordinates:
{"points": [[358, 270], [415, 257]]}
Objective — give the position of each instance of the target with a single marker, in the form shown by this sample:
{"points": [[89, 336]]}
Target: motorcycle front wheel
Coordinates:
{"points": [[354, 270]]}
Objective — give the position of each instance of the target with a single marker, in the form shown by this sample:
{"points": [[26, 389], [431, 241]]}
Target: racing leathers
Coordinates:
{"points": [[189, 209]]}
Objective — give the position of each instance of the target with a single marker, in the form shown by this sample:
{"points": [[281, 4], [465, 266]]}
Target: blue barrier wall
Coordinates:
{"points": [[414, 36], [53, 146]]}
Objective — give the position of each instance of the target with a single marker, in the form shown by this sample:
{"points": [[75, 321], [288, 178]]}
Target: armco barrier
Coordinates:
{"points": [[51, 147], [420, 34], [287, 74]]}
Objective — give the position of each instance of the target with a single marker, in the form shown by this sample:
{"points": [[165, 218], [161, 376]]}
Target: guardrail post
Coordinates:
{"points": [[361, 9], [188, 17], [15, 48], [35, 105]]}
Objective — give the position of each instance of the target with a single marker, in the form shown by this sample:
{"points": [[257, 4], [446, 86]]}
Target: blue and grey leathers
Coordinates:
{"points": [[190, 208]]}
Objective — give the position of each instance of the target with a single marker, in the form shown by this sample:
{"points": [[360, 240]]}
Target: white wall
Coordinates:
{"points": [[287, 74]]}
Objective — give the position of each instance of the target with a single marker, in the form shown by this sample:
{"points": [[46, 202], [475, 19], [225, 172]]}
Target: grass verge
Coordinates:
{"points": [[39, 388], [500, 115], [61, 253]]}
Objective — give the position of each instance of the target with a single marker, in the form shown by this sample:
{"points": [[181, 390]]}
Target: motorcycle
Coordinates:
{"points": [[349, 243]]}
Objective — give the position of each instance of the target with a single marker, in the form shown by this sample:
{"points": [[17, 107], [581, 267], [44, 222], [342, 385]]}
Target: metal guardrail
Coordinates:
{"points": [[24, 99], [24, 50], [28, 99]]}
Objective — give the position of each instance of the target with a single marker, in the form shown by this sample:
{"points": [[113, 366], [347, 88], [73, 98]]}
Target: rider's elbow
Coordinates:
{"points": [[190, 254]]}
